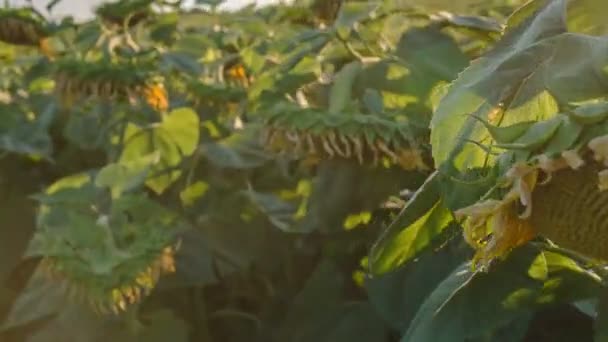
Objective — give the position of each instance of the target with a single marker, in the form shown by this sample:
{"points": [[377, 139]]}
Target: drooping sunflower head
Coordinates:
{"points": [[110, 253], [80, 79], [554, 188], [369, 139], [132, 10], [22, 26]]}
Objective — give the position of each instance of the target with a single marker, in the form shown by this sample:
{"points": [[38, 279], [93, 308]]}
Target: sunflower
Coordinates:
{"points": [[314, 135], [25, 27], [104, 80], [110, 260], [117, 12], [562, 199]]}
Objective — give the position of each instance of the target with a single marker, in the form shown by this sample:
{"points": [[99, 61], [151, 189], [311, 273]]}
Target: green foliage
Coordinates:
{"points": [[529, 103], [292, 172]]}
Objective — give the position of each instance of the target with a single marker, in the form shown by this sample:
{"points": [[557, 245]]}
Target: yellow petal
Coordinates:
{"points": [[156, 96], [508, 232], [475, 232]]}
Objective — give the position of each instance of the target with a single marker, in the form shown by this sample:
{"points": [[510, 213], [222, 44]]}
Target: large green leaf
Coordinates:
{"points": [[431, 56], [173, 139], [510, 70], [468, 305], [422, 220], [125, 176], [398, 295]]}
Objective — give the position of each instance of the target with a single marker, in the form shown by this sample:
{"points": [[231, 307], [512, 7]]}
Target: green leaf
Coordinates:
{"points": [[506, 134], [423, 218], [537, 135], [279, 212], [600, 325], [514, 331], [182, 62], [352, 12], [27, 136], [489, 80], [193, 193], [467, 304], [486, 24], [431, 56], [176, 137], [182, 125], [566, 136], [238, 151], [460, 190], [590, 113], [40, 299], [164, 28], [253, 59], [341, 90], [398, 295], [125, 176], [373, 101], [523, 13]]}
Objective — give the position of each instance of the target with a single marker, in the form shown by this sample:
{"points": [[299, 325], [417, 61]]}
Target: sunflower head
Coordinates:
{"points": [[121, 80], [133, 11], [554, 188], [110, 252], [22, 26], [368, 139]]}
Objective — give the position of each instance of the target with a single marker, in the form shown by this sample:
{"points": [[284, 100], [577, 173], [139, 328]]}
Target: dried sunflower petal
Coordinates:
{"points": [[599, 146], [508, 232], [573, 159]]}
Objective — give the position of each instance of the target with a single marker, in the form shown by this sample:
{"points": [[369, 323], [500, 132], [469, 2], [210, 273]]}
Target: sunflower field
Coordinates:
{"points": [[308, 171]]}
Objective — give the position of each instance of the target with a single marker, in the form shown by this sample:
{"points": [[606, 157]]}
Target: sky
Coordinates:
{"points": [[82, 8]]}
